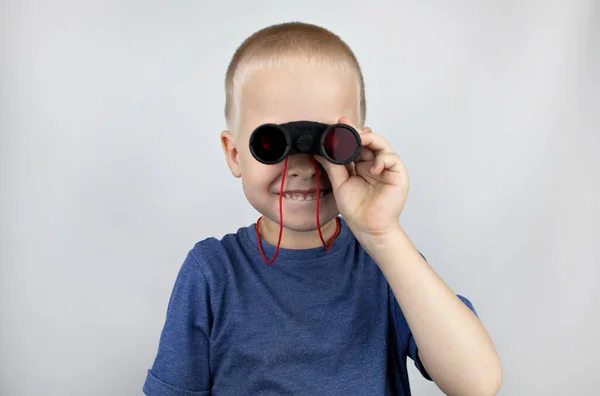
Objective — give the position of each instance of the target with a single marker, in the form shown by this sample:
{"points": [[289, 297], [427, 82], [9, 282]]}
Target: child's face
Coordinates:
{"points": [[283, 95]]}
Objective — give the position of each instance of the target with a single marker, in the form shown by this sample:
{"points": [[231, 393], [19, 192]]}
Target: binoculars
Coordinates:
{"points": [[338, 143]]}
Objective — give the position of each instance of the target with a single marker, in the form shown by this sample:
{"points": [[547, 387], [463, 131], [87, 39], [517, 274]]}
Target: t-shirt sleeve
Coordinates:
{"points": [[181, 366]]}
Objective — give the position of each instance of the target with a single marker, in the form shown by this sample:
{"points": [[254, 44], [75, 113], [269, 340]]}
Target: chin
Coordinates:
{"points": [[303, 221], [307, 225]]}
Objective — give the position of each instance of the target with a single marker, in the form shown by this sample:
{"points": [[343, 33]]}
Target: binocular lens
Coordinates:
{"points": [[340, 144], [269, 143]]}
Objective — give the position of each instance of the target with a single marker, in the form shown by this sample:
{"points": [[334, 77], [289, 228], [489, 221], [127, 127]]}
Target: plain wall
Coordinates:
{"points": [[111, 169]]}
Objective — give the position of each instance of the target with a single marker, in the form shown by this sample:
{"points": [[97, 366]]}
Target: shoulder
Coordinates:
{"points": [[216, 257], [214, 248]]}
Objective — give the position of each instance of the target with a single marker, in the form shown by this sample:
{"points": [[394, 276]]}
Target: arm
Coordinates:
{"points": [[454, 347], [181, 366]]}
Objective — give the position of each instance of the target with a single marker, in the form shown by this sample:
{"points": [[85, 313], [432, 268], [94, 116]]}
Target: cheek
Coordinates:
{"points": [[257, 178]]}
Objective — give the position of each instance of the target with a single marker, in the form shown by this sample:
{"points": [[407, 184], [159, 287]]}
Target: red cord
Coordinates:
{"points": [[325, 245], [337, 221], [280, 219]]}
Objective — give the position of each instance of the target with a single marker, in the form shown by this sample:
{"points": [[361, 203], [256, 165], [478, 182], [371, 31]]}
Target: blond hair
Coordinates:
{"points": [[287, 44]]}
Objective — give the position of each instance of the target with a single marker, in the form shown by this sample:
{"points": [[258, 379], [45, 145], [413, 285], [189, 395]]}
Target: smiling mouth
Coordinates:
{"points": [[304, 196]]}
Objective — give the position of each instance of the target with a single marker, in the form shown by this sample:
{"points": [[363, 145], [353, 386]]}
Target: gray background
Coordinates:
{"points": [[111, 169]]}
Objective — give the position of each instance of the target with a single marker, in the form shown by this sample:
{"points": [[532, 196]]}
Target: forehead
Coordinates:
{"points": [[285, 94]]}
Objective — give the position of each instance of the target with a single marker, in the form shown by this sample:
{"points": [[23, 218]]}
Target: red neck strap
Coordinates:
{"points": [[327, 246]]}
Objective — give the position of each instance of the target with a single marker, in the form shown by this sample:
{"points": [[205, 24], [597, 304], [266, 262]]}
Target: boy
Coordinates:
{"points": [[315, 303]]}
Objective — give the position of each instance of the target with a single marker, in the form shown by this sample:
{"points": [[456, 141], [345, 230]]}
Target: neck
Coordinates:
{"points": [[291, 239]]}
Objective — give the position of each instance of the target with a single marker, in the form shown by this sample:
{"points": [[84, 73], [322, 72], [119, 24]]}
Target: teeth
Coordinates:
{"points": [[302, 197]]}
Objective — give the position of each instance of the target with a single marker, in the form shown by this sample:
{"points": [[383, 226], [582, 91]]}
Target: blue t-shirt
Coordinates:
{"points": [[315, 322]]}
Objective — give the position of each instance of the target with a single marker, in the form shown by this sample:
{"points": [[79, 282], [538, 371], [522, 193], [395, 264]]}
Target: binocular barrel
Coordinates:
{"points": [[338, 143]]}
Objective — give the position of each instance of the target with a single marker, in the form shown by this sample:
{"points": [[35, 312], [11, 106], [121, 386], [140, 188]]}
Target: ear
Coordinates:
{"points": [[231, 153]]}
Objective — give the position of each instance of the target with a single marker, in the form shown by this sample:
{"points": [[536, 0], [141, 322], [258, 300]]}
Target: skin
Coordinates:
{"points": [[453, 344]]}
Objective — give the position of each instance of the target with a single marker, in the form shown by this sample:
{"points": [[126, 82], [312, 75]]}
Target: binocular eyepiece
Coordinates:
{"points": [[338, 143]]}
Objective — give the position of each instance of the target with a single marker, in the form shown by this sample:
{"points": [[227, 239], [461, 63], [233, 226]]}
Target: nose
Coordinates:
{"points": [[301, 166]]}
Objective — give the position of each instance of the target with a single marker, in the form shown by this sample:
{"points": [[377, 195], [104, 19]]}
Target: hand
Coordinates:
{"points": [[370, 193]]}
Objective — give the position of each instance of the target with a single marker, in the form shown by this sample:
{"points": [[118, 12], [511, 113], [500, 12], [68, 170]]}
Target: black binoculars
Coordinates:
{"points": [[338, 143]]}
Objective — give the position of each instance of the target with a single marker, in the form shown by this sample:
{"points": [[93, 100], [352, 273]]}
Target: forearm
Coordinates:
{"points": [[453, 344]]}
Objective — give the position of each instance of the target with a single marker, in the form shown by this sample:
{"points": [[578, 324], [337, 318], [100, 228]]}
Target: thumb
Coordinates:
{"points": [[338, 174]]}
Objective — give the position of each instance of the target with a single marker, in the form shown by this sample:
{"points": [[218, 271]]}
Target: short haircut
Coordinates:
{"points": [[289, 43]]}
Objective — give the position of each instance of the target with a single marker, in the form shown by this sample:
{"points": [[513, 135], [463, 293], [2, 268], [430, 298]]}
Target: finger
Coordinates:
{"points": [[338, 174], [386, 161], [366, 154], [347, 121], [393, 171], [375, 143], [350, 168], [363, 170]]}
